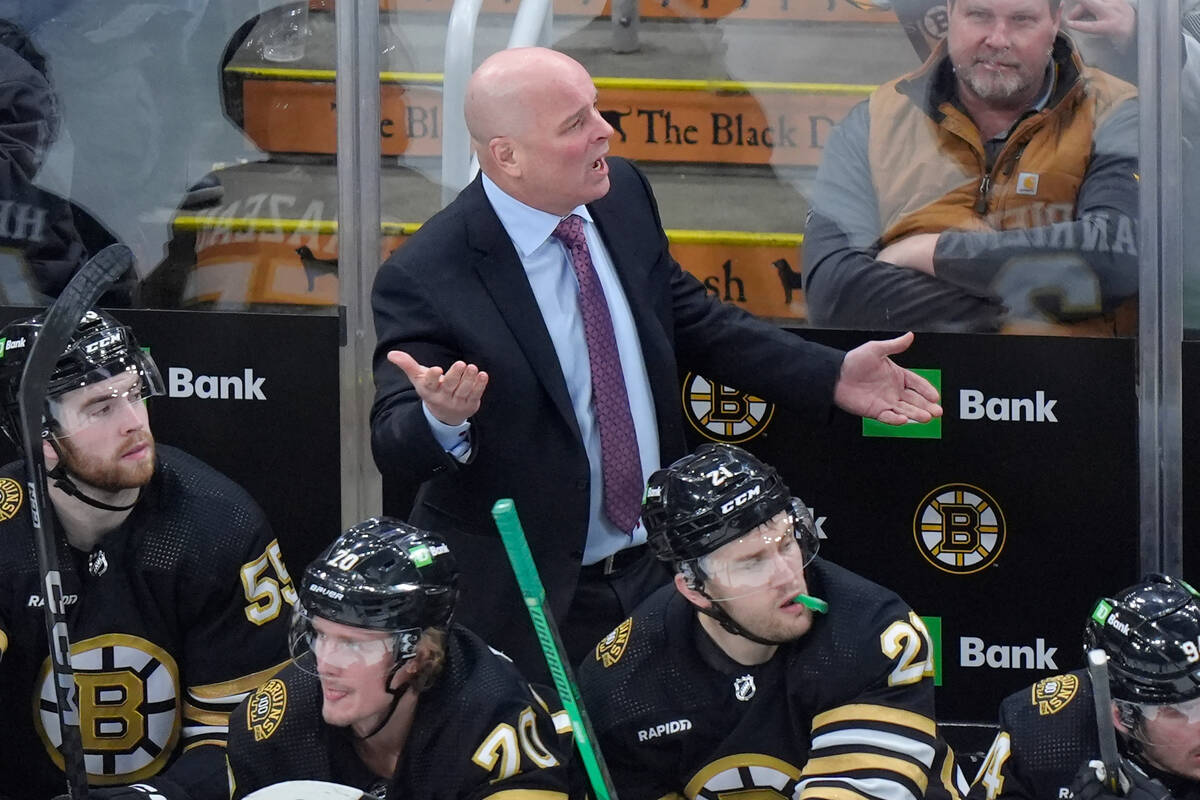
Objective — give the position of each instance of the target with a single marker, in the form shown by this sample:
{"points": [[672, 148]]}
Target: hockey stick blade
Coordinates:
{"points": [[1110, 756], [515, 544], [61, 320], [309, 790]]}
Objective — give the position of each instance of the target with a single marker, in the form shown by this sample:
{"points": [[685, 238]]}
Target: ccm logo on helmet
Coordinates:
{"points": [[741, 499]]}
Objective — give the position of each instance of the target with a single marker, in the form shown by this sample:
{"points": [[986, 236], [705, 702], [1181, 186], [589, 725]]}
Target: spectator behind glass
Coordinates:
{"points": [[42, 235], [992, 189]]}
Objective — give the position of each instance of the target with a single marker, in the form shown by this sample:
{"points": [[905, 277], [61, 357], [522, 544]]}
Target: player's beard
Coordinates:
{"points": [[110, 473], [777, 627]]}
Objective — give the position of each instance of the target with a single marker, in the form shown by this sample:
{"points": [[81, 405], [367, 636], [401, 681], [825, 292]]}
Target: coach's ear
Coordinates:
{"points": [[693, 596]]}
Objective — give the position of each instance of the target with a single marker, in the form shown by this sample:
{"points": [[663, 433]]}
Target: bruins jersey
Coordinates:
{"points": [[173, 619], [479, 731], [845, 711], [1047, 733]]}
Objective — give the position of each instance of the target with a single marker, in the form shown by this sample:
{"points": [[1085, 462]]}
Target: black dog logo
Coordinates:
{"points": [[614, 117]]}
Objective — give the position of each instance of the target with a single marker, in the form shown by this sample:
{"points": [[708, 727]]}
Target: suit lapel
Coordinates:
{"points": [[499, 268]]}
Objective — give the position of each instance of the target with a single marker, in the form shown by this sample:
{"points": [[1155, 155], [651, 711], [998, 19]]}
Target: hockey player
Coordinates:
{"points": [[762, 669], [1048, 747], [174, 585], [386, 695]]}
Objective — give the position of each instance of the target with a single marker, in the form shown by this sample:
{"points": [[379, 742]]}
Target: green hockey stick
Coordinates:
{"points": [[505, 514]]}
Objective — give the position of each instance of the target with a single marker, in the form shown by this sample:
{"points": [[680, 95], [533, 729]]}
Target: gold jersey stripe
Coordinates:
{"points": [[203, 716], [215, 692], [843, 765], [831, 793], [861, 713], [527, 794], [204, 742]]}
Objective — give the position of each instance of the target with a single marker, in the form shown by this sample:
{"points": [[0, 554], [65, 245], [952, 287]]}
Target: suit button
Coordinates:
{"points": [[581, 485]]}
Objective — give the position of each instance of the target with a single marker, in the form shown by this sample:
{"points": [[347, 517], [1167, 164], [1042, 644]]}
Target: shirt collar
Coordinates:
{"points": [[528, 227]]}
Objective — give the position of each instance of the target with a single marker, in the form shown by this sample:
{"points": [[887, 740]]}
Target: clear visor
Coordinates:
{"points": [[771, 557], [106, 395], [317, 644], [1188, 711]]}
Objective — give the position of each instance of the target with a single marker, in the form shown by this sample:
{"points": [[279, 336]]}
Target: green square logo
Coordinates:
{"points": [[420, 556], [911, 430], [1101, 612], [934, 626], [3, 346]]}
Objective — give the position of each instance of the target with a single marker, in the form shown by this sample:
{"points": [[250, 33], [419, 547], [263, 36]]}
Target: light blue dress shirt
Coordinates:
{"points": [[552, 278]]}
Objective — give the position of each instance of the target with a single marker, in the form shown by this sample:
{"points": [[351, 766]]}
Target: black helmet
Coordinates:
{"points": [[711, 497], [384, 575], [99, 349], [1147, 630]]}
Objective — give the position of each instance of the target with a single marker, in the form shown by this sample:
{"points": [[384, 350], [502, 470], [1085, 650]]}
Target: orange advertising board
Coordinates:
{"points": [[285, 264], [782, 127]]}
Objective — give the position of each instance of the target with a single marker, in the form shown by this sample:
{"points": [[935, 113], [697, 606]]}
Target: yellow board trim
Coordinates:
{"points": [[329, 228], [643, 84]]}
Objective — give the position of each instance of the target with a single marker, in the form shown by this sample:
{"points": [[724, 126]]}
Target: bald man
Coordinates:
{"points": [[531, 336]]}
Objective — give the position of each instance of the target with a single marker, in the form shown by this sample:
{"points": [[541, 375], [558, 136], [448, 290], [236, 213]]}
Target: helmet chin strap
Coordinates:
{"points": [[63, 481], [718, 612], [396, 694]]}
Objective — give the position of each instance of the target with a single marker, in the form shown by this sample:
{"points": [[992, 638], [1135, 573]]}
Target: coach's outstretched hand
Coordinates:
{"points": [[452, 396], [872, 385]]}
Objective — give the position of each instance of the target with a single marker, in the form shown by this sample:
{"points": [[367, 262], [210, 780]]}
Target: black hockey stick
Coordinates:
{"points": [[1110, 756], [61, 321], [505, 515]]}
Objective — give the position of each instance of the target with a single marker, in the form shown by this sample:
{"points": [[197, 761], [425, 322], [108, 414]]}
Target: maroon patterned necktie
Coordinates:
{"points": [[620, 462]]}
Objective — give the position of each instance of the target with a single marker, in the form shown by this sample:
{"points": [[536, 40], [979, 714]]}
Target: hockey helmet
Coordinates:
{"points": [[380, 575], [712, 497], [101, 349], [1151, 633]]}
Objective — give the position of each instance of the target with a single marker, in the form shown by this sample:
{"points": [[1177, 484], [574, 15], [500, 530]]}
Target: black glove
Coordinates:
{"points": [[162, 789], [1134, 782]]}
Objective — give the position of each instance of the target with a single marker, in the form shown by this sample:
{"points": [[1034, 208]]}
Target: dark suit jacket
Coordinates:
{"points": [[457, 290]]}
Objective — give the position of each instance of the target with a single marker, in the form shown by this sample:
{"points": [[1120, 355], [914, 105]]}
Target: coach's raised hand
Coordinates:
{"points": [[452, 396]]}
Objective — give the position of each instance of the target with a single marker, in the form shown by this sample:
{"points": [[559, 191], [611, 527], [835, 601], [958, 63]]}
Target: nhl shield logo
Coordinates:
{"points": [[743, 687], [1052, 694], [612, 647], [10, 498], [265, 710]]}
